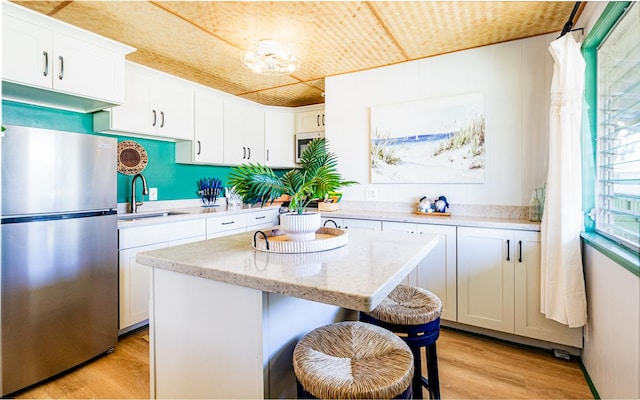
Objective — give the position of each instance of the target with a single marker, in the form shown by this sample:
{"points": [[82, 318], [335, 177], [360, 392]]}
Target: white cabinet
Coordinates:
{"points": [[263, 219], [208, 139], [279, 134], [226, 225], [243, 132], [51, 63], [134, 279], [529, 321], [437, 272], [156, 104], [486, 278], [310, 120], [352, 223], [499, 281]]}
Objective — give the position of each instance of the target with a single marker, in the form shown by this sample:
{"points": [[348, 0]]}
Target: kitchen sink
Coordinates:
{"points": [[130, 216]]}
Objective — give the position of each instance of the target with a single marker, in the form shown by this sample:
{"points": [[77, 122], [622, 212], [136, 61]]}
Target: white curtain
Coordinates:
{"points": [[563, 296]]}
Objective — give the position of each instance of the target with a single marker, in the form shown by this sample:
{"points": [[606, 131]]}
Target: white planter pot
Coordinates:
{"points": [[300, 227]]}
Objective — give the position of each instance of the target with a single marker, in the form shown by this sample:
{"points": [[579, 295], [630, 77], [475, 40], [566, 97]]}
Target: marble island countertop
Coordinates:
{"points": [[357, 276]]}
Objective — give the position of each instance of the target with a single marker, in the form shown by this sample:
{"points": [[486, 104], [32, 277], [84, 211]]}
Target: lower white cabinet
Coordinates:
{"points": [[263, 219], [437, 272], [134, 279], [352, 223], [226, 225], [499, 285]]}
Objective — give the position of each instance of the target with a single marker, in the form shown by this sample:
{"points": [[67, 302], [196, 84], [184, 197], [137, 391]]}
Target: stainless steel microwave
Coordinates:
{"points": [[302, 141]]}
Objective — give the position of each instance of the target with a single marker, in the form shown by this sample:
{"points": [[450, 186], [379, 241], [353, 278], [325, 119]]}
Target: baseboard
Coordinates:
{"points": [[592, 387], [510, 338]]}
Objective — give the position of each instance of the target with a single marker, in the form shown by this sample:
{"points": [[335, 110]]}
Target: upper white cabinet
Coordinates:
{"points": [[279, 130], [156, 104], [208, 139], [310, 120], [51, 63], [243, 132], [437, 271], [499, 285]]}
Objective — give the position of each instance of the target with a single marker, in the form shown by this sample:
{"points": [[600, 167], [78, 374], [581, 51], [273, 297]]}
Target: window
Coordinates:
{"points": [[618, 132]]}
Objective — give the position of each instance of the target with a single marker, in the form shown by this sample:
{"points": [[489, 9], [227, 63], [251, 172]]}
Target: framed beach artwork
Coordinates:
{"points": [[438, 140]]}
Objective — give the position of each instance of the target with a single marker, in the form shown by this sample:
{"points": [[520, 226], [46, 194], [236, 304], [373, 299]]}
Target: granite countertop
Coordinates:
{"points": [[357, 276], [454, 220], [498, 217]]}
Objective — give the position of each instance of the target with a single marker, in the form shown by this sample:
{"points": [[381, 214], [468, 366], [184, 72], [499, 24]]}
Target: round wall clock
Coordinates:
{"points": [[132, 157]]}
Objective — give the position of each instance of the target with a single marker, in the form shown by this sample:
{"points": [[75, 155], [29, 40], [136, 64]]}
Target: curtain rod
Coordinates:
{"points": [[569, 24]]}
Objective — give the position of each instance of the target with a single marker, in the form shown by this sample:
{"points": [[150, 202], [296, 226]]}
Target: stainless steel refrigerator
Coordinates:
{"points": [[59, 276]]}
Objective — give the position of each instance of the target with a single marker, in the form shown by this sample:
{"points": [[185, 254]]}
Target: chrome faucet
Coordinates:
{"points": [[134, 202]]}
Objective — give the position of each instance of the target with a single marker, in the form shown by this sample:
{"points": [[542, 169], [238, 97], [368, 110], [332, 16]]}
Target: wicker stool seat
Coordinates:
{"points": [[353, 360], [415, 313]]}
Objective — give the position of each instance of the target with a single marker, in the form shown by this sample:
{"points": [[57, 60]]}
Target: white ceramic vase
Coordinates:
{"points": [[300, 227]]}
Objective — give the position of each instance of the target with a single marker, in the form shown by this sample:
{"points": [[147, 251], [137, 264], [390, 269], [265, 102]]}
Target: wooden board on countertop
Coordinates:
{"points": [[434, 214]]}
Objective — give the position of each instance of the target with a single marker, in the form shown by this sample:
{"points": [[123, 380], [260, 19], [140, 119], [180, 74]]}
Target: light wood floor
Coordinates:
{"points": [[470, 367]]}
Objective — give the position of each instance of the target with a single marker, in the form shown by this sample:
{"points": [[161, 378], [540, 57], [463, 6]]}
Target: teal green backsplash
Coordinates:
{"points": [[174, 181]]}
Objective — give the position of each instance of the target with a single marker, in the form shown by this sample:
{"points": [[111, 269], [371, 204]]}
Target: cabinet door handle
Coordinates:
{"points": [[46, 63], [244, 152], [161, 119], [322, 119], [267, 154], [61, 74], [332, 221], [249, 151], [520, 246], [199, 148], [227, 223], [508, 248], [263, 217], [318, 120], [154, 118]]}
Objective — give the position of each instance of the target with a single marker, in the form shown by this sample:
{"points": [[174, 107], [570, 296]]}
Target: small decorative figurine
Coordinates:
{"points": [[425, 205], [441, 204]]}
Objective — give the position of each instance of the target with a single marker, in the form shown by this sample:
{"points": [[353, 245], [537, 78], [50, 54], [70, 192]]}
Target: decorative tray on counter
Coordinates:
{"points": [[276, 241], [435, 214]]}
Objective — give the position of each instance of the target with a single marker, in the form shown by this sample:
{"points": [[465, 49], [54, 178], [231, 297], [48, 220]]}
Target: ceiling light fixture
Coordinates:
{"points": [[270, 57]]}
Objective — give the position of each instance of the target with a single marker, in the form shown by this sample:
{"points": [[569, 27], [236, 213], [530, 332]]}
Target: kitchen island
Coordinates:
{"points": [[225, 317]]}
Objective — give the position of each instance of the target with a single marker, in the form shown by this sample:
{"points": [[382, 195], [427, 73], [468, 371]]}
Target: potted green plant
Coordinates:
{"points": [[316, 177]]}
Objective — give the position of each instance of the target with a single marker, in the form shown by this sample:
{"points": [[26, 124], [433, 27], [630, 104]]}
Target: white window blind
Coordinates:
{"points": [[618, 144]]}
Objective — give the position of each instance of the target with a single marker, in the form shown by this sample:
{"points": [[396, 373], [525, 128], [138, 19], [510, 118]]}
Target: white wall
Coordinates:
{"points": [[515, 79], [611, 351]]}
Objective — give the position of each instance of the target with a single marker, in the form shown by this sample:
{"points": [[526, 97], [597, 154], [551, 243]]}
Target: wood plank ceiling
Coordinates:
{"points": [[202, 40]]}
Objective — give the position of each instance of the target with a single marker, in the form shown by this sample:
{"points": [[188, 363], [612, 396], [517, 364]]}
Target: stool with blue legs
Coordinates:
{"points": [[353, 360], [414, 313]]}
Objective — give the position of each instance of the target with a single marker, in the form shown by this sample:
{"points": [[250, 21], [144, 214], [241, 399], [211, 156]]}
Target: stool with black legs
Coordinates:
{"points": [[414, 314]]}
